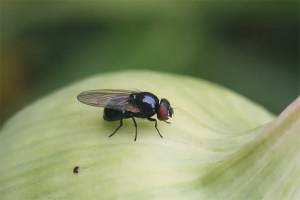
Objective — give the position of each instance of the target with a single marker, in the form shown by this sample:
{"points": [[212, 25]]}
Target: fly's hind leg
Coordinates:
{"points": [[121, 124], [151, 119]]}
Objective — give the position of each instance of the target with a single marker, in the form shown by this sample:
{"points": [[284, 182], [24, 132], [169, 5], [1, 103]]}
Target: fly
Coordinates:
{"points": [[124, 104]]}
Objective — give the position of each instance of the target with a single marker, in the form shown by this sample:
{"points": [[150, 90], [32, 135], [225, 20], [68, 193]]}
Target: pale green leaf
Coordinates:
{"points": [[215, 148]]}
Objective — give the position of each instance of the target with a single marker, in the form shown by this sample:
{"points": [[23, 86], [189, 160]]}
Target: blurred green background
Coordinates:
{"points": [[250, 47]]}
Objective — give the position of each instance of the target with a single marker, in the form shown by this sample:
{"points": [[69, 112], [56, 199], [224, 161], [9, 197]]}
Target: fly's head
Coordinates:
{"points": [[165, 110]]}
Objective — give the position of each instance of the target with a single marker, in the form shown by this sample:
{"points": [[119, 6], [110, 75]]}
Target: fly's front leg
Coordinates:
{"points": [[121, 124], [151, 119], [167, 121]]}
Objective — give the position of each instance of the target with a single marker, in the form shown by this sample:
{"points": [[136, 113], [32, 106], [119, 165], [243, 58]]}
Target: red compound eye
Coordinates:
{"points": [[162, 113]]}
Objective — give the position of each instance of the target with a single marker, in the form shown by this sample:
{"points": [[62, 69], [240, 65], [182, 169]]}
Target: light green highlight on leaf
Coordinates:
{"points": [[219, 146]]}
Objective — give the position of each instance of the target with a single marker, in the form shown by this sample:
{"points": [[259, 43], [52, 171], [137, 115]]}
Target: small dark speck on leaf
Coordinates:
{"points": [[76, 169]]}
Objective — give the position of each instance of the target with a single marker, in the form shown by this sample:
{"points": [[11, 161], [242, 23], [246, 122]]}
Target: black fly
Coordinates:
{"points": [[124, 104]]}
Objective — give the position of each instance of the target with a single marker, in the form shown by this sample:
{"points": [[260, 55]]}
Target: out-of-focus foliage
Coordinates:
{"points": [[250, 47]]}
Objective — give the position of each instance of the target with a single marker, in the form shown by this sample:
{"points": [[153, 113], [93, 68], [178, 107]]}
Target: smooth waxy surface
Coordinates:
{"points": [[219, 146]]}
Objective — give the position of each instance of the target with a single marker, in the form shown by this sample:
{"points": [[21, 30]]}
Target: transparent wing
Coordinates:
{"points": [[114, 99]]}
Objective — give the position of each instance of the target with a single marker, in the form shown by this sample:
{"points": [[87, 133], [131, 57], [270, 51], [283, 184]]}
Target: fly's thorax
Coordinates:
{"points": [[147, 102]]}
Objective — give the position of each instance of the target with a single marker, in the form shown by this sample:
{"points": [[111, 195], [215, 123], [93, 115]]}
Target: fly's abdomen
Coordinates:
{"points": [[114, 115]]}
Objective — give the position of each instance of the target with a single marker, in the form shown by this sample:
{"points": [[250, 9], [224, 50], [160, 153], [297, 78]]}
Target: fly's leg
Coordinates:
{"points": [[151, 119], [167, 121], [135, 127], [121, 124]]}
